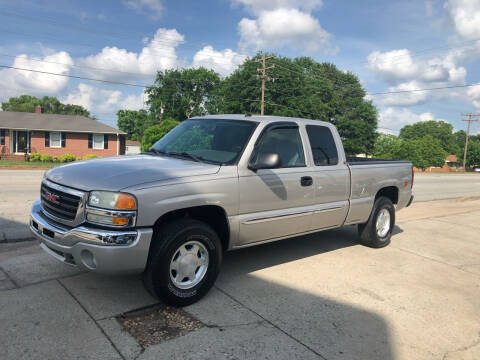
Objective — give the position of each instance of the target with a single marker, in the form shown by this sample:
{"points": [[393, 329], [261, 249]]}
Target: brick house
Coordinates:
{"points": [[22, 132]]}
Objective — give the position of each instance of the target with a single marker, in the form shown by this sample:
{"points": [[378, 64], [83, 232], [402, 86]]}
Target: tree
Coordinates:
{"points": [[49, 104], [182, 93], [304, 88], [134, 123], [423, 153], [387, 146], [473, 153], [440, 130], [156, 132]]}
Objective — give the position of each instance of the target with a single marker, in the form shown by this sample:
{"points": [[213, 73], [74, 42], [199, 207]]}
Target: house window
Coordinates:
{"points": [[2, 137], [98, 141], [55, 140]]}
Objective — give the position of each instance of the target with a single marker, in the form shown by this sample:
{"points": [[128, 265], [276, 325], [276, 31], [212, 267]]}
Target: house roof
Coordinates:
{"points": [[133, 143], [53, 122], [451, 158]]}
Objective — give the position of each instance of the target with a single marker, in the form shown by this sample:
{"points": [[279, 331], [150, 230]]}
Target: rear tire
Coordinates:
{"points": [[377, 231], [183, 263]]}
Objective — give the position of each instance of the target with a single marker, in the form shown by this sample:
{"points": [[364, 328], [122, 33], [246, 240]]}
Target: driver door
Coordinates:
{"points": [[275, 202]]}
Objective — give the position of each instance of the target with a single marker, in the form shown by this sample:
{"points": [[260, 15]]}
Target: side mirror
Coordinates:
{"points": [[265, 161]]}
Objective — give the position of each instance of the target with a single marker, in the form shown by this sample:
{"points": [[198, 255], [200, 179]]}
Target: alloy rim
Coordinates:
{"points": [[383, 223], [189, 264]]}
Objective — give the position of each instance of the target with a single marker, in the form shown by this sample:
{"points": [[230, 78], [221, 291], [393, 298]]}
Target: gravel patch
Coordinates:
{"points": [[157, 324]]}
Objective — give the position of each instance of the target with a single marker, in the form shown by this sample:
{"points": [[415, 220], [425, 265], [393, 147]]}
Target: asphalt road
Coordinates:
{"points": [[19, 188], [429, 187]]}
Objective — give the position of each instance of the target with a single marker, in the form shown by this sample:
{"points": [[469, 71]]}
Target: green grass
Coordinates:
{"points": [[27, 165]]}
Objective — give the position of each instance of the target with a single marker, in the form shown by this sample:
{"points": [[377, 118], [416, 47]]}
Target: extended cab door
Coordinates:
{"points": [[331, 177], [275, 202]]}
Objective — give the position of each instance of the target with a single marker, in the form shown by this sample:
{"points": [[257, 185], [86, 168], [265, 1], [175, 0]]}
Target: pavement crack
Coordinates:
{"points": [[271, 323], [93, 319], [465, 348], [9, 277]]}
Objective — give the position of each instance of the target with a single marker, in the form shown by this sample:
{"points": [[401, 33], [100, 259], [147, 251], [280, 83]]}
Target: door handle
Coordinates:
{"points": [[306, 181]]}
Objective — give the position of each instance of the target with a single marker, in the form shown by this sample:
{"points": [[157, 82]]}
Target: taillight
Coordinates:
{"points": [[413, 177]]}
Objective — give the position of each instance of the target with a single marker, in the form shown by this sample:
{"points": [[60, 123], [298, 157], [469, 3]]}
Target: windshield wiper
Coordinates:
{"points": [[187, 155]]}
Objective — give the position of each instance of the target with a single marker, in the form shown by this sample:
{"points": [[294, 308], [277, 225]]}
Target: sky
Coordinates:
{"points": [[390, 45]]}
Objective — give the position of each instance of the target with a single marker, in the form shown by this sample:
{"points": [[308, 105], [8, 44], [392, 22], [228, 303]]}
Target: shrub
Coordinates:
{"points": [[56, 159], [35, 157], [46, 158], [156, 132], [88, 157], [67, 158]]}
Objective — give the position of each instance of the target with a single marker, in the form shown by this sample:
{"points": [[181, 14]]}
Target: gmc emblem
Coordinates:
{"points": [[51, 197]]}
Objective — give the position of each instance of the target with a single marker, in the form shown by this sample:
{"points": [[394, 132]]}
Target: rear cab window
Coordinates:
{"points": [[324, 148]]}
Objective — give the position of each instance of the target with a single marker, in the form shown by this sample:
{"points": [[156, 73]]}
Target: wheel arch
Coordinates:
{"points": [[213, 215], [390, 192]]}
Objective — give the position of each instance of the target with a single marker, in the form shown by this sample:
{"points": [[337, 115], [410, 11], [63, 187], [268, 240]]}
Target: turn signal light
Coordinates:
{"points": [[121, 221], [125, 202]]}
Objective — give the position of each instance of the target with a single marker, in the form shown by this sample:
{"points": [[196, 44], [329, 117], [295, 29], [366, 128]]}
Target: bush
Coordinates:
{"points": [[35, 157], [156, 132], [88, 157], [46, 158], [67, 158]]}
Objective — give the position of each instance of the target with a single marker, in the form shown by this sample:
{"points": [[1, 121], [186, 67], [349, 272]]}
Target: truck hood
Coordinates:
{"points": [[116, 173]]}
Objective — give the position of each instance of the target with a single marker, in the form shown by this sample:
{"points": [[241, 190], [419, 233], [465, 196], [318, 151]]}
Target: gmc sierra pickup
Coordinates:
{"points": [[212, 184]]}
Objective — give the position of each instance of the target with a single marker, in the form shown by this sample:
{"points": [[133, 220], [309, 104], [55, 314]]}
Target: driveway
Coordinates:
{"points": [[322, 296]]}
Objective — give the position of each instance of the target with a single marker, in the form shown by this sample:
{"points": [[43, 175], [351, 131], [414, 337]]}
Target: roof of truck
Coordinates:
{"points": [[261, 118]]}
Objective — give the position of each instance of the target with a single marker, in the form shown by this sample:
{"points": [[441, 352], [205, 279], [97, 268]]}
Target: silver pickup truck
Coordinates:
{"points": [[212, 184]]}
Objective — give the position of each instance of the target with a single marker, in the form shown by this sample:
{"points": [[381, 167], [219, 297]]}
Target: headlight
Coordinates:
{"points": [[112, 200], [111, 209]]}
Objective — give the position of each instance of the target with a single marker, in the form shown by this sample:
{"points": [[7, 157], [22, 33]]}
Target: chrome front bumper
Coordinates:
{"points": [[86, 247]]}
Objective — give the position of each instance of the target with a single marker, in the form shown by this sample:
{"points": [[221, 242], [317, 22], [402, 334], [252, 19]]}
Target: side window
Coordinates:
{"points": [[323, 145], [287, 143]]}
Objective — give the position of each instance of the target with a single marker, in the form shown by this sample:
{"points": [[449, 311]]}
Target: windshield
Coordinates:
{"points": [[209, 140]]}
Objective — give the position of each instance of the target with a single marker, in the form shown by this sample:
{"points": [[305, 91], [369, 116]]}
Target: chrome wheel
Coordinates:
{"points": [[383, 223], [189, 265]]}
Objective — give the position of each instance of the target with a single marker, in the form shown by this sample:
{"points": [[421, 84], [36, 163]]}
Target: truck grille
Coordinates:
{"points": [[60, 204]]}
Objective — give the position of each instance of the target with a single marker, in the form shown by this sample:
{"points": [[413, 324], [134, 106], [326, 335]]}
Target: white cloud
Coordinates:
{"points": [[101, 100], [393, 119], [393, 65], [398, 66], [402, 72], [466, 17], [256, 6], [224, 62], [154, 8], [473, 94], [284, 27], [158, 54], [15, 82]]}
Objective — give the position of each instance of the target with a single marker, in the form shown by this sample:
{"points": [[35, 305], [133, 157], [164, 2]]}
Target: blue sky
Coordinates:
{"points": [[390, 45]]}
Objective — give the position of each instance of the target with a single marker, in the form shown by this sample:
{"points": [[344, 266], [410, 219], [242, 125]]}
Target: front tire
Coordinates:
{"points": [[184, 262], [377, 231]]}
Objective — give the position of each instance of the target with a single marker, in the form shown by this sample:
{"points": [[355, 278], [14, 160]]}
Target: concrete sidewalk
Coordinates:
{"points": [[316, 297]]}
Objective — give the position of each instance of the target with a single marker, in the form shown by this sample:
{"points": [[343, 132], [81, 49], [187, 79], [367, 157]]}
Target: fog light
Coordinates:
{"points": [[125, 239]]}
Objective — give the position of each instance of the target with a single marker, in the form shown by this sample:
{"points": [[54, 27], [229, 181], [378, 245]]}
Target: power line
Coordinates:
{"points": [[74, 77], [426, 89], [146, 86]]}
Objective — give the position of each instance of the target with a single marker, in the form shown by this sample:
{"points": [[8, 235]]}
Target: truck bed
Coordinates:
{"points": [[353, 161]]}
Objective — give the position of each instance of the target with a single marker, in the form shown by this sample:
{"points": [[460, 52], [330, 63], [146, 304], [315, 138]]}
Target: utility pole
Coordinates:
{"points": [[469, 118], [264, 77]]}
